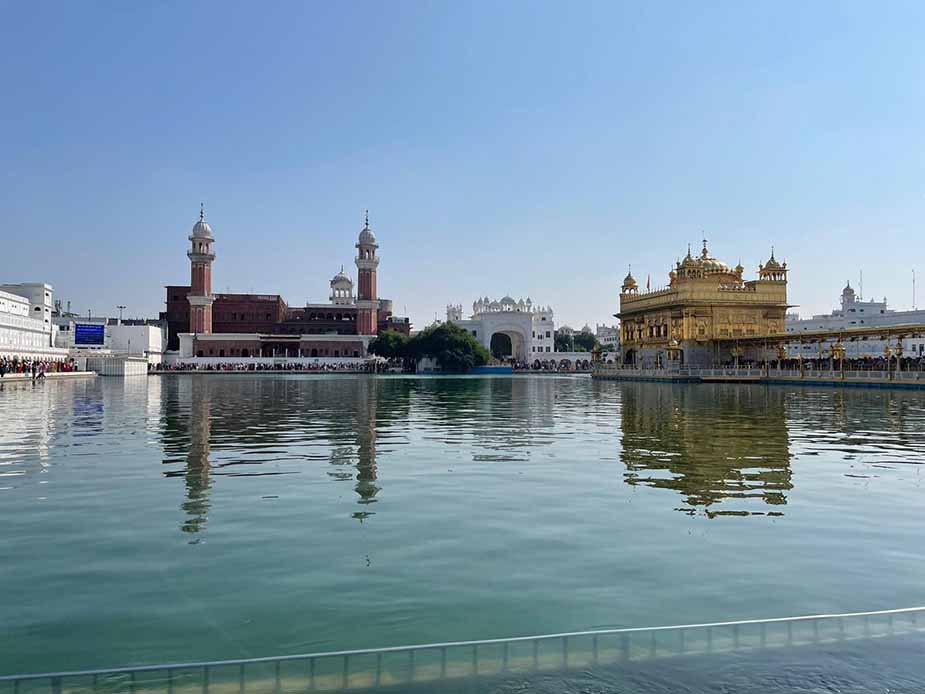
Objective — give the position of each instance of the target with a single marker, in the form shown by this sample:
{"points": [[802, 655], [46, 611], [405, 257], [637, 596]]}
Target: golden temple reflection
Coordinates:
{"points": [[724, 449]]}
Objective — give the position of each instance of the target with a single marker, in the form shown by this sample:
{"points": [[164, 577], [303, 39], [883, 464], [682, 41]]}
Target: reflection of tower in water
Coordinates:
{"points": [[198, 482], [187, 434], [721, 447], [367, 400]]}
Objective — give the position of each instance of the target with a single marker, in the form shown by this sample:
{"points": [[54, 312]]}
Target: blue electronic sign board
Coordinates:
{"points": [[88, 334]]}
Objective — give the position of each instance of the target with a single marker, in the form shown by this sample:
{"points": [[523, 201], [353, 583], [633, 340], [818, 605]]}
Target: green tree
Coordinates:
{"points": [[564, 343], [454, 348], [390, 344], [585, 342]]}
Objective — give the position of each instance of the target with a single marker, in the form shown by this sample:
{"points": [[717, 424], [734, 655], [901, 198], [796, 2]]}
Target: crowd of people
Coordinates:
{"points": [[349, 367], [553, 365], [829, 364], [36, 368]]}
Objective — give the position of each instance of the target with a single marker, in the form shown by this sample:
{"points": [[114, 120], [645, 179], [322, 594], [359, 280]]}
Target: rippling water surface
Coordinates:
{"points": [[205, 517]]}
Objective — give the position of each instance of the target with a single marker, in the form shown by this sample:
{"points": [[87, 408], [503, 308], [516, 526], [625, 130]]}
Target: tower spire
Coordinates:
{"points": [[202, 212], [367, 219]]}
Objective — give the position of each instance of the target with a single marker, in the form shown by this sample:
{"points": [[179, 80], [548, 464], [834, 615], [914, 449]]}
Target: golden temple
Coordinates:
{"points": [[705, 303]]}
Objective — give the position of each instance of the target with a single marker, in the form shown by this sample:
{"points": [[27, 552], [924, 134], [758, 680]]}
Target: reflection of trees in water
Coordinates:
{"points": [[711, 444], [236, 425], [499, 414]]}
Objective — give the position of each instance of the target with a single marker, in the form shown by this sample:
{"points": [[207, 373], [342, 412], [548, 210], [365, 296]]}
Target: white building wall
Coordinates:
{"points": [[148, 341], [532, 329], [109, 365], [144, 340], [24, 330], [856, 314]]}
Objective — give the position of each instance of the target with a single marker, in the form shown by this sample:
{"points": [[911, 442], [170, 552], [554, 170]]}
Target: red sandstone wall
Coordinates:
{"points": [[255, 348]]}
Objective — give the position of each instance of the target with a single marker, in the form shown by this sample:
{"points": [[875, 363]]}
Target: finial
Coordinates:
{"points": [[367, 219], [202, 212], [342, 268], [772, 252]]}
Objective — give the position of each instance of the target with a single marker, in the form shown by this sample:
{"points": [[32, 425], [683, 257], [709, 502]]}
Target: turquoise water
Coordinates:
{"points": [[202, 517]]}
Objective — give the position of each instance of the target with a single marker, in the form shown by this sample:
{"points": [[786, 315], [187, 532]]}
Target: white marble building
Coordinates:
{"points": [[530, 328], [609, 337], [138, 338], [26, 329], [855, 313]]}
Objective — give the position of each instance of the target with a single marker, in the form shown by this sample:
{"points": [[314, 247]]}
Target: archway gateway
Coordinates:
{"points": [[502, 347], [508, 343]]}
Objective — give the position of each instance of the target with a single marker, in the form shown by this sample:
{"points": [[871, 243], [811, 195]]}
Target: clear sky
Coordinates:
{"points": [[501, 147]]}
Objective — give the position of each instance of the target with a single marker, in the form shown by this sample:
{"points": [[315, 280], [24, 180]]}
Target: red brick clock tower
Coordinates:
{"points": [[201, 255], [367, 262]]}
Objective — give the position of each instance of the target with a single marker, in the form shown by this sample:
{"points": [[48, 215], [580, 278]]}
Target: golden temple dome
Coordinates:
{"points": [[629, 282]]}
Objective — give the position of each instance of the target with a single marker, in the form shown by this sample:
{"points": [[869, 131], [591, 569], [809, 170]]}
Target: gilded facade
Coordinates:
{"points": [[705, 300]]}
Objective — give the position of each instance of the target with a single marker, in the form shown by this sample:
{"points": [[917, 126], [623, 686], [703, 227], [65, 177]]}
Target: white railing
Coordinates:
{"points": [[404, 665], [762, 373]]}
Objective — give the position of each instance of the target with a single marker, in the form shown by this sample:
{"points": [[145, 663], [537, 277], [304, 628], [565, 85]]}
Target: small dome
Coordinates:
{"points": [[201, 229], [508, 300], [714, 265], [772, 263], [340, 276], [629, 280], [367, 237]]}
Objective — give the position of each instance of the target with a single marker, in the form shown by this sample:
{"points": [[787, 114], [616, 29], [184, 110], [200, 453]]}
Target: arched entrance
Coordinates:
{"points": [[508, 343], [502, 346], [629, 357]]}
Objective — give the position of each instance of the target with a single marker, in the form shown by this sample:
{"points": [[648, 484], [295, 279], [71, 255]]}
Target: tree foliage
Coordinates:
{"points": [[454, 348], [585, 342], [564, 343], [390, 344]]}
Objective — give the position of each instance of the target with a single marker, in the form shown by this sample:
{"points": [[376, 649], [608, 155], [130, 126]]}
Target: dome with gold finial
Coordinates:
{"points": [[772, 263], [773, 270], [629, 282], [710, 264]]}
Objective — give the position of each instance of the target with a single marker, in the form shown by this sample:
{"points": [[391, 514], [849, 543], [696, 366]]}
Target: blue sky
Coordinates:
{"points": [[524, 148]]}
